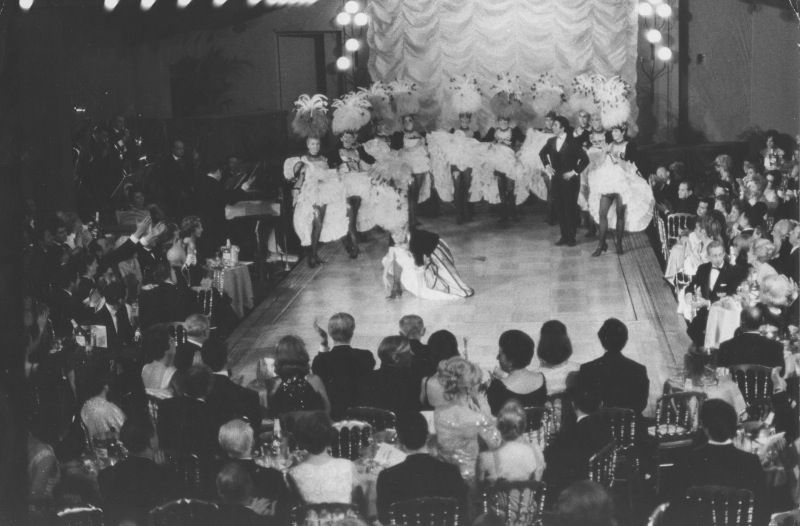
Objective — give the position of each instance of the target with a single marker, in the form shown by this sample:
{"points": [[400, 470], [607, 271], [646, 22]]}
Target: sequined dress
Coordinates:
{"points": [[457, 430]]}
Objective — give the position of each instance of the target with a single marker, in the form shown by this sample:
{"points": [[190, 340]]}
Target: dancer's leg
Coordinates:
{"points": [[620, 224], [413, 197], [501, 179], [605, 204], [457, 195], [316, 231], [511, 198], [466, 184], [353, 205]]}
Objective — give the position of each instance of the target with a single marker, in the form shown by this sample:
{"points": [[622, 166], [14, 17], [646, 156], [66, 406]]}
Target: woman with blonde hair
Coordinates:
{"points": [[762, 252], [517, 459], [779, 302], [464, 418]]}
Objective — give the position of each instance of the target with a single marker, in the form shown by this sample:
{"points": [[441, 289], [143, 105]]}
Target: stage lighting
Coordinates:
{"points": [[183, 3], [343, 63], [352, 44], [664, 53], [218, 3], [253, 3], [343, 18], [25, 5], [663, 10], [653, 36], [351, 7], [147, 4], [110, 5], [655, 2], [361, 19], [645, 9]]}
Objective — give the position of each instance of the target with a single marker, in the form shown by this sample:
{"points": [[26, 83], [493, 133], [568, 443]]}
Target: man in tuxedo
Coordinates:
{"points": [[135, 485], [113, 314], [750, 346], [564, 159], [170, 183], [789, 265], [687, 202], [567, 457], [618, 380], [209, 204], [63, 302], [719, 462], [227, 400], [420, 474], [712, 278], [343, 367], [413, 328], [162, 301], [198, 331], [393, 386]]}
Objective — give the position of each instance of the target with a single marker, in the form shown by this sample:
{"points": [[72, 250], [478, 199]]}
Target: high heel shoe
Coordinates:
{"points": [[602, 247]]}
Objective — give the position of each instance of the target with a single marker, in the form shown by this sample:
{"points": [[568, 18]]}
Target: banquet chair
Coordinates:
{"points": [[561, 412], [351, 439], [187, 473], [677, 424], [185, 512], [678, 222], [81, 516], [539, 421], [603, 465], [657, 516], [755, 381], [622, 423], [322, 514], [758, 410], [720, 506], [379, 419], [517, 503], [425, 511], [661, 228]]}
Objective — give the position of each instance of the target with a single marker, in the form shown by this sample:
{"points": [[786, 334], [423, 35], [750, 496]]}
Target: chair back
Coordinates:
{"points": [[425, 511], [754, 381], [322, 514], [539, 424], [720, 505], [678, 222], [185, 512], [352, 437], [678, 415], [758, 410], [561, 412], [379, 419], [187, 476], [517, 503], [603, 465], [82, 516], [622, 423], [661, 228]]}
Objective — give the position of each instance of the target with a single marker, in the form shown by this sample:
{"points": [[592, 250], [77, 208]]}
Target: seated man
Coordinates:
{"points": [[342, 368], [226, 400], [135, 485], [237, 505], [567, 457], [393, 386], [719, 462], [420, 474], [750, 346]]}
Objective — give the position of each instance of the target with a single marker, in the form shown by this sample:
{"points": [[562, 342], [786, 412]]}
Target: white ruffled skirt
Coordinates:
{"points": [[438, 279], [321, 188], [623, 179]]}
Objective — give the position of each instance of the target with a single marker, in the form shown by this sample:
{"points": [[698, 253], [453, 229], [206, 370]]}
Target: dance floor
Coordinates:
{"points": [[520, 279]]}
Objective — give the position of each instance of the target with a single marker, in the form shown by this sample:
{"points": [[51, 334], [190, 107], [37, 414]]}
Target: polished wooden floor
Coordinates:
{"points": [[520, 279]]}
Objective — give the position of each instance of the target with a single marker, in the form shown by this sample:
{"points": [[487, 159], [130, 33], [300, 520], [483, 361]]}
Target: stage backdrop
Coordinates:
{"points": [[427, 41]]}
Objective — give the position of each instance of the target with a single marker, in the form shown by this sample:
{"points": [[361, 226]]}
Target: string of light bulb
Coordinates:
{"points": [[655, 14], [146, 5], [352, 21]]}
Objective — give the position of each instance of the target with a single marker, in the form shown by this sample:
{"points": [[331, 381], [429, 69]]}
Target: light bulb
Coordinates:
{"points": [[645, 9], [655, 2], [361, 19], [343, 18], [25, 4], [352, 44], [663, 10], [664, 53], [145, 5], [110, 5], [183, 3], [653, 36], [351, 7], [218, 3], [343, 63]]}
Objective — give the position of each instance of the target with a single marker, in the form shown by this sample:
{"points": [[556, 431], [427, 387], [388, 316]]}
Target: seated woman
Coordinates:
{"points": [[295, 388], [517, 459], [421, 263], [464, 418], [442, 345], [690, 251], [772, 155], [779, 303], [320, 477], [157, 373], [515, 381], [554, 351], [103, 419], [761, 254], [723, 165]]}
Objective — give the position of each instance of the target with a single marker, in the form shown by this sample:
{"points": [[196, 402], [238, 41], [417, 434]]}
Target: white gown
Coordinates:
{"points": [[616, 176], [498, 156], [320, 186], [456, 150], [387, 205], [438, 279], [531, 164]]}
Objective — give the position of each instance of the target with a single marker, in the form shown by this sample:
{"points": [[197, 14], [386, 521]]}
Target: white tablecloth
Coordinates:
{"points": [[722, 323], [239, 287]]}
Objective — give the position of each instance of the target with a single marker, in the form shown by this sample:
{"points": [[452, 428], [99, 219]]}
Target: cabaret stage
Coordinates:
{"points": [[520, 279]]}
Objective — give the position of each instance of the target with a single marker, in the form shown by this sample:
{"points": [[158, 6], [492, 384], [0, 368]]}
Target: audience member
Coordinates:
{"points": [[237, 504], [157, 372], [516, 382], [517, 459], [585, 503], [554, 351], [443, 345], [103, 419], [185, 426], [295, 388], [226, 400], [750, 346], [413, 328]]}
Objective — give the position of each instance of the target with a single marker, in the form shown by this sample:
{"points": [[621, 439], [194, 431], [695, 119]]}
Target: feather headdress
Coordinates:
{"points": [[584, 93], [547, 93], [505, 103], [350, 112], [612, 96], [310, 116], [379, 96], [465, 96], [405, 96]]}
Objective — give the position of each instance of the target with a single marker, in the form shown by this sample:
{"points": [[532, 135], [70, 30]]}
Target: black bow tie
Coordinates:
{"points": [[717, 268]]}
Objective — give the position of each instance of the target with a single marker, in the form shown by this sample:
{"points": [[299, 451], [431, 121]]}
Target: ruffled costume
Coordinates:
{"points": [[320, 186]]}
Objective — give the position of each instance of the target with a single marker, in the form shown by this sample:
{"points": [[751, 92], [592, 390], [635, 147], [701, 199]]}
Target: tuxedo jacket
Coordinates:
{"points": [[571, 156], [419, 475], [620, 381], [64, 307], [341, 370], [567, 457], [728, 276], [750, 348], [117, 336], [131, 488], [227, 401], [392, 388], [186, 426], [517, 137], [164, 302]]}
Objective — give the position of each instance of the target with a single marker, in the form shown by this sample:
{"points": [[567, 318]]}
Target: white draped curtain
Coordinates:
{"points": [[427, 41]]}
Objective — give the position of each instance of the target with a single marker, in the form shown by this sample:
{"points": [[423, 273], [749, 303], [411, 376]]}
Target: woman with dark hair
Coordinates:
{"points": [[585, 503], [772, 154], [320, 477], [554, 351], [514, 381], [442, 345], [295, 388], [157, 372]]}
